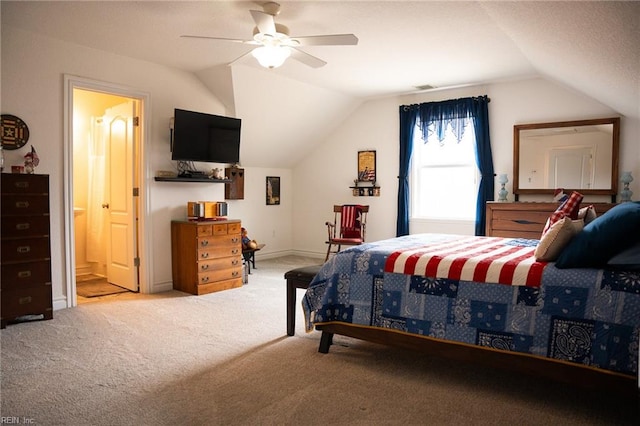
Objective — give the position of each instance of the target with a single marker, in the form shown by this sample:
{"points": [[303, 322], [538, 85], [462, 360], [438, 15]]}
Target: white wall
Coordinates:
{"points": [[32, 88], [323, 178]]}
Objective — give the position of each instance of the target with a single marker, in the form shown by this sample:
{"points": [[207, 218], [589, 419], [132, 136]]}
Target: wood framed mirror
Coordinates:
{"points": [[577, 155]]}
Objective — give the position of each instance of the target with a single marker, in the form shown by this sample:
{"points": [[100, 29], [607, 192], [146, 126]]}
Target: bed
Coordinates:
{"points": [[485, 300]]}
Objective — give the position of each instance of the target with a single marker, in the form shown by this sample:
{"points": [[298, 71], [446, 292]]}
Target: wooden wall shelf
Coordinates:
{"points": [[365, 191], [185, 179]]}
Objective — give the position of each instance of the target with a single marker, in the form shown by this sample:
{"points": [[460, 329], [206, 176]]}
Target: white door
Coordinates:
{"points": [[120, 202], [571, 167]]}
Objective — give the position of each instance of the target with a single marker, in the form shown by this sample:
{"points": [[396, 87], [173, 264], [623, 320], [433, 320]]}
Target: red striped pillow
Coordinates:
{"points": [[568, 209]]}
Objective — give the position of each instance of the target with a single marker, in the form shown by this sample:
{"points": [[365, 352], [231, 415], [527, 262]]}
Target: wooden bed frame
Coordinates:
{"points": [[584, 376]]}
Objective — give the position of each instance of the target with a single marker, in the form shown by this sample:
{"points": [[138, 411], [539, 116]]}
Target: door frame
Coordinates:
{"points": [[145, 248]]}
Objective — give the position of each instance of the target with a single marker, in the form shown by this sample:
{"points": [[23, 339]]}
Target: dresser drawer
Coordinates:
{"points": [[25, 226], [25, 249], [225, 240], [25, 204], [26, 274], [215, 252], [204, 230], [221, 263], [21, 184], [27, 301], [219, 275]]}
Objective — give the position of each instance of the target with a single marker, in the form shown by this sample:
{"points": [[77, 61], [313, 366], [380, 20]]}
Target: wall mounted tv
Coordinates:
{"points": [[205, 137]]}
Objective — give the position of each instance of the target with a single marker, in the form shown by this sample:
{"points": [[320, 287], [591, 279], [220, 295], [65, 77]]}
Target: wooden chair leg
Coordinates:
{"points": [[328, 251]]}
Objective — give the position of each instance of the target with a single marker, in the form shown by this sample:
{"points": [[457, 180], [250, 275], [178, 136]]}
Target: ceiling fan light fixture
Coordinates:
{"points": [[271, 56]]}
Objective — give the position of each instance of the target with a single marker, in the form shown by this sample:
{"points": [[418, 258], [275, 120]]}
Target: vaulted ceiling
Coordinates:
{"points": [[591, 47]]}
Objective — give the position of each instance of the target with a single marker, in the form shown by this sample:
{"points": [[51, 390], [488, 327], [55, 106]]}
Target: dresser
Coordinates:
{"points": [[525, 219], [206, 256], [25, 288]]}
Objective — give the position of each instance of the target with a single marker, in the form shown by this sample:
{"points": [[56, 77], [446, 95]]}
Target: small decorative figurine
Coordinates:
{"points": [[626, 193], [247, 243], [31, 161]]}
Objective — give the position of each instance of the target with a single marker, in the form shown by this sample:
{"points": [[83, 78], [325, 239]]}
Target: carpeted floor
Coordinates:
{"points": [[225, 359]]}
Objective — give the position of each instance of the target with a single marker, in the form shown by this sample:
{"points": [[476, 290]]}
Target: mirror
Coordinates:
{"points": [[573, 155]]}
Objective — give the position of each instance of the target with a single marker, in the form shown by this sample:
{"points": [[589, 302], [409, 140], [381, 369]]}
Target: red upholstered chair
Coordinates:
{"points": [[348, 227]]}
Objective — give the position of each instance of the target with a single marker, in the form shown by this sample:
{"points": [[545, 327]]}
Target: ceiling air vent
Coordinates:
{"points": [[425, 87]]}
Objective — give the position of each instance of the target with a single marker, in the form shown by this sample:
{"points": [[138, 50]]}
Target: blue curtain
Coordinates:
{"points": [[408, 117], [436, 117]]}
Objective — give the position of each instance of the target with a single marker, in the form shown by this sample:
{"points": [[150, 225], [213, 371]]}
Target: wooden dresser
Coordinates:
{"points": [[525, 220], [206, 256], [25, 288]]}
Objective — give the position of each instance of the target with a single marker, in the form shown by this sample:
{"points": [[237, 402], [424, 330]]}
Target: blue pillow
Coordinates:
{"points": [[603, 238], [628, 259]]}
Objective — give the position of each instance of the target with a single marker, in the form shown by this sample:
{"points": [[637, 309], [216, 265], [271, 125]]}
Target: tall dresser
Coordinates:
{"points": [[206, 256], [25, 288]]}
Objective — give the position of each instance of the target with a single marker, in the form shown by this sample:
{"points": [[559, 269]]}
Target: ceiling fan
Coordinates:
{"points": [[275, 45]]}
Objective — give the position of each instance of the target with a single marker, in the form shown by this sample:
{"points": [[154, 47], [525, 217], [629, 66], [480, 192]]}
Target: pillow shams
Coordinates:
{"points": [[557, 238]]}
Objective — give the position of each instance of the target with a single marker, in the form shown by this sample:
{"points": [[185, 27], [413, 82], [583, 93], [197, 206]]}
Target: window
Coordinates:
{"points": [[444, 181]]}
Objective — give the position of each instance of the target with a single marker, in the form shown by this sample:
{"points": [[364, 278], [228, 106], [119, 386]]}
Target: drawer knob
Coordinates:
{"points": [[234, 262], [24, 274], [23, 249], [22, 204], [205, 279], [234, 251], [23, 226], [24, 300], [204, 255], [204, 243], [22, 184], [234, 274], [235, 239], [205, 267]]}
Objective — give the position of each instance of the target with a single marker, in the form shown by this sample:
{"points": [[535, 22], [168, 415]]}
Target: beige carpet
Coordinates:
{"points": [[225, 359]]}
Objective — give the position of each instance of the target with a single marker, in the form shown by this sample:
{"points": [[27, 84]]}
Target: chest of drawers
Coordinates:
{"points": [[206, 256], [25, 288], [525, 220]]}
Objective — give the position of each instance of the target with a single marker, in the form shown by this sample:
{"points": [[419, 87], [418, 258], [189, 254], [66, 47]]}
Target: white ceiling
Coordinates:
{"points": [[592, 47]]}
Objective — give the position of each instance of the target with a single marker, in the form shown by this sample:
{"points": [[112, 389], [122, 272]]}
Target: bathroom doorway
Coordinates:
{"points": [[104, 147], [104, 197]]}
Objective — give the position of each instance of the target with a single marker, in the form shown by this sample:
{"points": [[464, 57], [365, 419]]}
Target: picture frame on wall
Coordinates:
{"points": [[273, 190], [366, 166]]}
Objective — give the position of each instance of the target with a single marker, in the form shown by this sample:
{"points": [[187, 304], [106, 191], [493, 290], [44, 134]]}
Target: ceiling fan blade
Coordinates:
{"points": [[327, 40], [264, 22], [239, 58], [306, 58], [235, 40]]}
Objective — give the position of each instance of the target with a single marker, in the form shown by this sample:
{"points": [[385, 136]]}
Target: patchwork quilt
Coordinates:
{"points": [[584, 316]]}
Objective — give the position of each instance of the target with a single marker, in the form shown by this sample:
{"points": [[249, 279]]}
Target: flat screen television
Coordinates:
{"points": [[205, 137]]}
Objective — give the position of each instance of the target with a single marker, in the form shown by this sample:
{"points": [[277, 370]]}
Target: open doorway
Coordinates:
{"points": [[104, 146], [104, 211]]}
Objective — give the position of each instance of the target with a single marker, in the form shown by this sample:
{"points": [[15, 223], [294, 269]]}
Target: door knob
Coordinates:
{"points": [[105, 205]]}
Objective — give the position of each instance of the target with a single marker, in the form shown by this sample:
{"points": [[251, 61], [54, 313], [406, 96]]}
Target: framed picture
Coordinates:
{"points": [[366, 166], [273, 190]]}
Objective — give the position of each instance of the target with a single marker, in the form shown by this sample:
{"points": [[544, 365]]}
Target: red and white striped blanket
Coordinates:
{"points": [[478, 259]]}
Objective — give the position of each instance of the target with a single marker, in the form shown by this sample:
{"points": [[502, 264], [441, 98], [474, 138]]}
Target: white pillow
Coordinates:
{"points": [[556, 239], [587, 213]]}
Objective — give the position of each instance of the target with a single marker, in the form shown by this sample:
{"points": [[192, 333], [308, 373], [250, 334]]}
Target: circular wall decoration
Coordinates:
{"points": [[15, 132]]}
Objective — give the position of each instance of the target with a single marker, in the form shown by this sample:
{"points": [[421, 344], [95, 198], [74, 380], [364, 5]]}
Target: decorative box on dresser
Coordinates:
{"points": [[525, 219], [25, 288], [206, 256]]}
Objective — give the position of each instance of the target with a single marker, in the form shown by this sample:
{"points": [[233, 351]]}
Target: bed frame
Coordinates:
{"points": [[584, 376]]}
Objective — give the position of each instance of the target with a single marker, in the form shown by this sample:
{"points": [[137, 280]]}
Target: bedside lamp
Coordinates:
{"points": [[626, 193], [502, 194]]}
